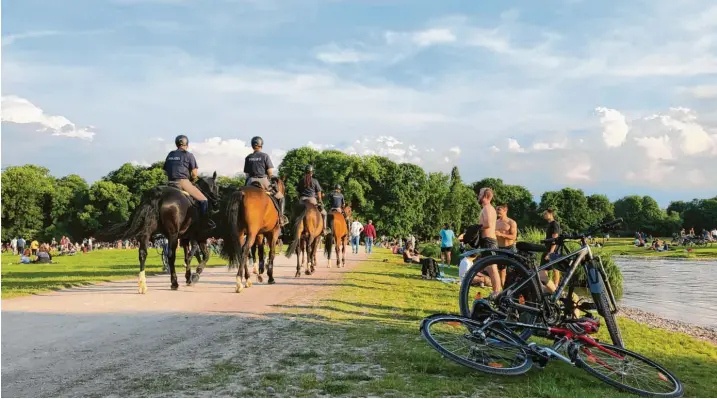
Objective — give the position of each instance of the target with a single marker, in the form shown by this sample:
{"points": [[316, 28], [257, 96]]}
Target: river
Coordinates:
{"points": [[680, 290]]}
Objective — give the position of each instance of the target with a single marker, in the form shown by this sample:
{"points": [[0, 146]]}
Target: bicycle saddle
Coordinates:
{"points": [[583, 325], [530, 247]]}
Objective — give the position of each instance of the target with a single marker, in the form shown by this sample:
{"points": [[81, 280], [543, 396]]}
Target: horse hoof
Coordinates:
{"points": [[239, 289], [175, 287], [298, 274], [271, 281], [308, 273], [195, 278], [248, 284], [259, 278]]}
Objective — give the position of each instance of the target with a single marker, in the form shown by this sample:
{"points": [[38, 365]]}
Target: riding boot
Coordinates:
{"points": [[326, 226], [206, 223], [283, 220]]}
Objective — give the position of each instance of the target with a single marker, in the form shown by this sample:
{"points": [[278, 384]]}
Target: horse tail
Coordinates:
{"points": [[297, 234], [232, 248], [330, 241], [142, 220]]}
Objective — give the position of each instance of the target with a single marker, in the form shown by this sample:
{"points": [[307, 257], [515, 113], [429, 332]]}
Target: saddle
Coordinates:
{"points": [[186, 194]]}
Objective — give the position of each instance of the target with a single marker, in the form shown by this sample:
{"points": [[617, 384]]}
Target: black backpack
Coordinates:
{"points": [[429, 268]]}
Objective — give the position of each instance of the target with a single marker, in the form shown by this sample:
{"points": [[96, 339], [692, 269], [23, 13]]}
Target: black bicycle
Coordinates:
{"points": [[524, 299], [490, 345], [161, 244]]}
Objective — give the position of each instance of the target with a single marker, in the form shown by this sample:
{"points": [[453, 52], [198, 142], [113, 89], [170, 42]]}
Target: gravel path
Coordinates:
{"points": [[95, 340], [656, 321]]}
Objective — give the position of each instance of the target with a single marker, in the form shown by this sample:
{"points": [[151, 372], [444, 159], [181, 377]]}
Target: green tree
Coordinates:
{"points": [[434, 211], [571, 207], [71, 194], [520, 202], [26, 200], [109, 204], [292, 168], [600, 208]]}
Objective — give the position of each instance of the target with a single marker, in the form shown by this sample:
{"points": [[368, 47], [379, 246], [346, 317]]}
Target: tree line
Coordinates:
{"points": [[401, 199]]}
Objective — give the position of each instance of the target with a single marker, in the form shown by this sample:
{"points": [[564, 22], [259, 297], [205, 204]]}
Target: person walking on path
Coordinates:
{"points": [[370, 234], [356, 229], [447, 236]]}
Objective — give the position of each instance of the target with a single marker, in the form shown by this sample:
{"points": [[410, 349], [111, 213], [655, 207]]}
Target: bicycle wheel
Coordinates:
{"points": [[602, 303], [495, 353], [627, 370], [515, 274]]}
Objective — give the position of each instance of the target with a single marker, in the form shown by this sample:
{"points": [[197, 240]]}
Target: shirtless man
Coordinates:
{"points": [[506, 231], [487, 220]]}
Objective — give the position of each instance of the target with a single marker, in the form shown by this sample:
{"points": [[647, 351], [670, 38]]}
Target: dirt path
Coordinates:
{"points": [[99, 340]]}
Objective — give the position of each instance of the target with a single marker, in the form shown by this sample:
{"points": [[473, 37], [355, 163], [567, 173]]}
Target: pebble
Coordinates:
{"points": [[270, 390], [655, 321]]}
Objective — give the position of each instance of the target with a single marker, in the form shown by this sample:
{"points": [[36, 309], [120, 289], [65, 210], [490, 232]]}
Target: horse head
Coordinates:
{"points": [[210, 188], [347, 211], [279, 184]]}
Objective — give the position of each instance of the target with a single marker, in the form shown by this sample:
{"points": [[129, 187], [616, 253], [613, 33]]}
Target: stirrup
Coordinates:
{"points": [[283, 220]]}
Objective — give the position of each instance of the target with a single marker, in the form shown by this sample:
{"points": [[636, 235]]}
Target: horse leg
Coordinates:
{"points": [[203, 257], [272, 252], [172, 256], [143, 241], [252, 258], [343, 251], [261, 263], [306, 256], [314, 255], [337, 242], [187, 246], [243, 267]]}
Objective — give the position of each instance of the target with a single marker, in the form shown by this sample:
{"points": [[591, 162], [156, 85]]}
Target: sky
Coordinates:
{"points": [[610, 97]]}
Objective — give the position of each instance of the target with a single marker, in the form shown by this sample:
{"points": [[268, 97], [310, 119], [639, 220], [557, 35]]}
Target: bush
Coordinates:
{"points": [[431, 250], [614, 276]]}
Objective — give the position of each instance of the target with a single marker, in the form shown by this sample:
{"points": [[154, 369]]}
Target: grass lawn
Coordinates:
{"points": [[625, 247], [80, 269], [371, 323]]}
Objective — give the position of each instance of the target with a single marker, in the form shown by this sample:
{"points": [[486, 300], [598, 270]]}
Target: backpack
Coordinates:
{"points": [[429, 268]]}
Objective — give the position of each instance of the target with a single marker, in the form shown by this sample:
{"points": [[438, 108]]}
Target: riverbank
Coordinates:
{"points": [[655, 321], [626, 247]]}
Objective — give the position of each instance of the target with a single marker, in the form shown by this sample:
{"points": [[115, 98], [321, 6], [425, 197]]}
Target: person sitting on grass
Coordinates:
{"points": [[480, 280], [410, 255], [43, 255], [25, 258]]}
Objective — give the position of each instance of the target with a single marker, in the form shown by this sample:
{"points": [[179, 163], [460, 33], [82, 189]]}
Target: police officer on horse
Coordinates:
{"points": [[259, 168], [310, 192], [181, 169], [338, 202]]}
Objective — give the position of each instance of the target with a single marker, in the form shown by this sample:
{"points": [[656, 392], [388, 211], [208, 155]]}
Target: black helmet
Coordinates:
{"points": [[257, 141], [309, 169], [337, 187], [181, 140]]}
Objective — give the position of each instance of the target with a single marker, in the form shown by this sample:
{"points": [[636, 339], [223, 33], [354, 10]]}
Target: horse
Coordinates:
{"points": [[251, 213], [308, 230], [171, 211], [339, 235]]}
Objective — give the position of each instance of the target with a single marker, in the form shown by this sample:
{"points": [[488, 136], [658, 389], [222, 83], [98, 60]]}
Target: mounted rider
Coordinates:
{"points": [[259, 168], [338, 202], [310, 192], [181, 169]]}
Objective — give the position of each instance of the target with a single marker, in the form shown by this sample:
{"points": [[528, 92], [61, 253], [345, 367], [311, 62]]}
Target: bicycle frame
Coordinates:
{"points": [[578, 257]]}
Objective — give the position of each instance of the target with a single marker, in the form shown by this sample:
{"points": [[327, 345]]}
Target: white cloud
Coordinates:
{"points": [[578, 168], [333, 54], [455, 150], [494, 149], [703, 91], [657, 148], [614, 126], [433, 36], [140, 163], [693, 137], [514, 146], [19, 110], [540, 146]]}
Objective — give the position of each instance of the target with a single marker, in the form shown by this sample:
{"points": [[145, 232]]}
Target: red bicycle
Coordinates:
{"points": [[491, 346]]}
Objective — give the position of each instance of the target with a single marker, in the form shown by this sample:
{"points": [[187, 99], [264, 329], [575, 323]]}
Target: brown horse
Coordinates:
{"points": [[251, 213], [339, 235], [308, 230]]}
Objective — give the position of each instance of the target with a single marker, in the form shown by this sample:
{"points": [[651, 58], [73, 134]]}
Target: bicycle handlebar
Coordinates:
{"points": [[607, 226]]}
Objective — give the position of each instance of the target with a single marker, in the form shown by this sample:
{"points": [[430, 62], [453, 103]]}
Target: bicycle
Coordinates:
{"points": [[161, 244], [491, 346], [523, 298]]}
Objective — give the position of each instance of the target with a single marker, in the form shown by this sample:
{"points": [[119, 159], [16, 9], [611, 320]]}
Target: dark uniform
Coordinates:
{"points": [[179, 165], [337, 202], [256, 166], [309, 193]]}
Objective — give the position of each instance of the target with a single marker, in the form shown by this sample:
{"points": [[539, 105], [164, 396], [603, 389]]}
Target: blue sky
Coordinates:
{"points": [[611, 97]]}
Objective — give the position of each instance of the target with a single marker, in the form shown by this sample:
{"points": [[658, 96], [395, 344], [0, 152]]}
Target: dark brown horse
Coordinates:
{"points": [[338, 236], [251, 213], [308, 230], [168, 210]]}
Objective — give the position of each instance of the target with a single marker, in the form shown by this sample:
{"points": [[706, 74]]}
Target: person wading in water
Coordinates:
{"points": [[181, 167]]}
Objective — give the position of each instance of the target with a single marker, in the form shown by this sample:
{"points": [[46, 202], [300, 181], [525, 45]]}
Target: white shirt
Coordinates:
{"points": [[714, 233], [13, 243], [463, 267], [356, 227]]}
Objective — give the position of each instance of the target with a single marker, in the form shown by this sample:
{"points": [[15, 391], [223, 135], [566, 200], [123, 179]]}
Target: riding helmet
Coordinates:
{"points": [[337, 187], [309, 169], [181, 140], [257, 141]]}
